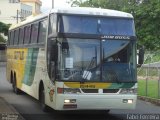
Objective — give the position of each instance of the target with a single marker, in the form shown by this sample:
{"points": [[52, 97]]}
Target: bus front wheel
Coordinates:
{"points": [[42, 100]]}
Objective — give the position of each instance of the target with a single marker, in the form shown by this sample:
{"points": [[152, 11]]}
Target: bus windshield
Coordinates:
{"points": [[95, 60]]}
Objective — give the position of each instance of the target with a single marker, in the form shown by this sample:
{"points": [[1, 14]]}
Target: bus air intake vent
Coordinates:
{"points": [[90, 90], [110, 90]]}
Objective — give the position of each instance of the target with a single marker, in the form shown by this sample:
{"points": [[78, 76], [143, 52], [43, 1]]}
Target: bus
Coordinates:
{"points": [[75, 59]]}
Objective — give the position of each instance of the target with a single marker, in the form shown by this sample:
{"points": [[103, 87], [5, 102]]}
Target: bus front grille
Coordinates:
{"points": [[90, 90], [97, 90], [110, 90]]}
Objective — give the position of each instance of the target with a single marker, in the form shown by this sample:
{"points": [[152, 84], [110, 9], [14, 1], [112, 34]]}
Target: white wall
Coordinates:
{"points": [[8, 11]]}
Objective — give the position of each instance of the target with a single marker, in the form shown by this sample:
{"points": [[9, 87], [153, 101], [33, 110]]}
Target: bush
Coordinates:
{"points": [[2, 40]]}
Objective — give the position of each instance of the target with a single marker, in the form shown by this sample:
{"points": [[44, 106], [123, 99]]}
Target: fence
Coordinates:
{"points": [[149, 76], [2, 55]]}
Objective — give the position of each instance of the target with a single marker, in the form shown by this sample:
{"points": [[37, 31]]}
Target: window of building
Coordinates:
{"points": [[34, 34], [14, 1], [42, 31]]}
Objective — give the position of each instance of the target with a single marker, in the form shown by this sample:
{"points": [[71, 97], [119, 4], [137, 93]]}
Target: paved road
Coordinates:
{"points": [[29, 107]]}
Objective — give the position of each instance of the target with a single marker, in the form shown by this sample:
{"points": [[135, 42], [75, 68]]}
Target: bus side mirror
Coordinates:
{"points": [[141, 56]]}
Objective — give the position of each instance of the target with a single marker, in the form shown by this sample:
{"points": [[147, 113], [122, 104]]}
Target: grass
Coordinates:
{"points": [[152, 88]]}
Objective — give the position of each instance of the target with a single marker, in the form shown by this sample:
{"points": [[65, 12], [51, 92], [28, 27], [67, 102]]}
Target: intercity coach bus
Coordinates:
{"points": [[75, 59]]}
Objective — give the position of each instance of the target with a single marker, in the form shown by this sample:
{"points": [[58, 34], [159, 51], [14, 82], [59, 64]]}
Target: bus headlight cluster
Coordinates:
{"points": [[70, 101], [129, 101], [71, 91], [128, 91], [68, 90]]}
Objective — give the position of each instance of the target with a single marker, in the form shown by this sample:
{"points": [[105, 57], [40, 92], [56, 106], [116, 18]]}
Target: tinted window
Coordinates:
{"points": [[27, 34], [117, 26], [42, 31], [34, 33], [52, 23], [12, 38], [16, 38], [21, 36], [96, 25], [9, 38], [78, 24]]}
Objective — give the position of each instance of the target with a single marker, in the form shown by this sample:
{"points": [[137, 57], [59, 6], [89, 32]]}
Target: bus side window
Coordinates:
{"points": [[16, 38], [52, 24], [21, 36], [42, 31], [9, 38], [34, 33], [52, 56], [27, 34], [12, 38]]}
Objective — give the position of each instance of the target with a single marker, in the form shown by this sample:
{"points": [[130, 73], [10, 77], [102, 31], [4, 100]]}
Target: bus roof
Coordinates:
{"points": [[92, 11], [28, 20], [78, 11]]}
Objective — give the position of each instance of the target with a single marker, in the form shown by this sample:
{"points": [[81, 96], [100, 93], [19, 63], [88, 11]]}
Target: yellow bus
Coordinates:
{"points": [[75, 59]]}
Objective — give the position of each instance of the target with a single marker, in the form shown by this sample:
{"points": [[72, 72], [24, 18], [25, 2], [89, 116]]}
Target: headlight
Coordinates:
{"points": [[71, 91], [128, 91], [68, 90]]}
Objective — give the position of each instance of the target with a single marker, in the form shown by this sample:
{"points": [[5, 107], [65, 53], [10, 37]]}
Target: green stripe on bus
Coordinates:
{"points": [[30, 67]]}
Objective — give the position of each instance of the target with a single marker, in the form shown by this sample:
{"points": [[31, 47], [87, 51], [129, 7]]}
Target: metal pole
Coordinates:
{"points": [[17, 17], [147, 72], [52, 4], [159, 84]]}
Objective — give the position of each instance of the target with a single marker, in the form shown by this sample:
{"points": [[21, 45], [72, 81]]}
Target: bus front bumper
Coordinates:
{"points": [[95, 102]]}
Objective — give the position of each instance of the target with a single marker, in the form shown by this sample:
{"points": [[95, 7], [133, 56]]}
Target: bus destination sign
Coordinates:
{"points": [[115, 37]]}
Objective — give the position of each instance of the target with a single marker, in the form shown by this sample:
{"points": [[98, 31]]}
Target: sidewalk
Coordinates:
{"points": [[7, 112]]}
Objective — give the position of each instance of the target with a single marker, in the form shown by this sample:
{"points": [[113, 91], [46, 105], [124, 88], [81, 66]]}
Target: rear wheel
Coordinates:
{"points": [[44, 107], [14, 85], [107, 111]]}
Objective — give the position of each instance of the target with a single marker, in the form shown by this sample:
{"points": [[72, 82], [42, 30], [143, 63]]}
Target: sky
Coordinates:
{"points": [[47, 4]]}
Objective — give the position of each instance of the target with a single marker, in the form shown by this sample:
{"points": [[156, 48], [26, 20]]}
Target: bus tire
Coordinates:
{"points": [[42, 99], [14, 85], [107, 111]]}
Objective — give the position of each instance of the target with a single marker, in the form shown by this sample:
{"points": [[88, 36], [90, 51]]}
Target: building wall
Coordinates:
{"points": [[8, 11], [36, 5], [25, 11]]}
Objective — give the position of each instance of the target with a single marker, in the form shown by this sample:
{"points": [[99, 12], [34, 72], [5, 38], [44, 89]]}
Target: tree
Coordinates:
{"points": [[3, 29], [2, 40]]}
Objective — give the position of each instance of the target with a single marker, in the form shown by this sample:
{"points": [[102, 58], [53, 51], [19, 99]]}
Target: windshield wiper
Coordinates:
{"points": [[87, 74]]}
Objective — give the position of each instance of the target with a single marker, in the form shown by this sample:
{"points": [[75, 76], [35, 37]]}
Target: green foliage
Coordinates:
{"points": [[2, 40], [4, 28], [152, 88], [146, 14]]}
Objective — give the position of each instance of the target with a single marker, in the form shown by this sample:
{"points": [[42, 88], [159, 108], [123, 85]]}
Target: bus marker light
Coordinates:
{"points": [[66, 101], [70, 101], [129, 101], [60, 90]]}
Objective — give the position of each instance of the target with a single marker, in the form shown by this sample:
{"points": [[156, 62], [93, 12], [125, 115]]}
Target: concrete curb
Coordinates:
{"points": [[151, 100], [8, 112]]}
